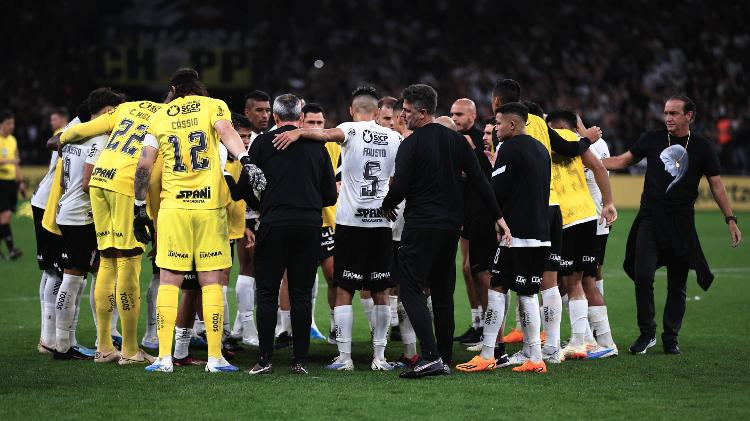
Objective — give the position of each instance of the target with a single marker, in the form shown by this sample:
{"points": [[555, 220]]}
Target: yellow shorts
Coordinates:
{"points": [[236, 219], [113, 219], [193, 239]]}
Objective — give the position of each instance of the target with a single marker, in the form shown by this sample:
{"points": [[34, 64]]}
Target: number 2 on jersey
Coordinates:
{"points": [[198, 141], [137, 136]]}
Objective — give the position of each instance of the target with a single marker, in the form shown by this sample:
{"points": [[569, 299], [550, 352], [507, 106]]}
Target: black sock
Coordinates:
{"points": [[499, 349], [6, 235]]}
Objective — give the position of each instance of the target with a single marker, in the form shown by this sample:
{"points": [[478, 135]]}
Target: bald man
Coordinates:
{"points": [[446, 121], [478, 239]]}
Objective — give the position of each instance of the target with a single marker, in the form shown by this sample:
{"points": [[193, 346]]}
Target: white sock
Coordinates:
{"points": [[226, 328], [73, 340], [65, 308], [344, 319], [589, 337], [578, 320], [531, 323], [332, 322], [245, 291], [199, 326], [279, 323], [286, 321], [600, 324], [314, 299], [367, 306], [182, 337], [42, 284], [481, 315], [493, 320], [237, 325], [51, 289], [600, 286], [382, 317], [429, 307], [408, 336], [393, 303], [153, 289], [475, 318], [552, 316], [565, 300]]}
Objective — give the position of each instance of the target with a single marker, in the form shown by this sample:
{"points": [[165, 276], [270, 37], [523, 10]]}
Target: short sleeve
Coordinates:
{"points": [[223, 153], [97, 144], [640, 147], [711, 166], [219, 111], [348, 129]]}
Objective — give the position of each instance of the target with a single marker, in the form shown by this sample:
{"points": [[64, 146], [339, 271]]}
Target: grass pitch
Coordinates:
{"points": [[709, 381]]}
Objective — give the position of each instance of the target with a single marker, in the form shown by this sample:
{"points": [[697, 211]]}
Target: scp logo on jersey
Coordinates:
{"points": [[376, 138]]}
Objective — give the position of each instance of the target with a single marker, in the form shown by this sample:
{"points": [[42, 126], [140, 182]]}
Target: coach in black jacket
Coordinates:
{"points": [[429, 164], [300, 182]]}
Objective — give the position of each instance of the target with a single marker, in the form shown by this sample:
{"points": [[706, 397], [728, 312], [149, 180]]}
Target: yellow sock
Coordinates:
{"points": [[166, 315], [129, 301], [104, 300], [213, 315]]}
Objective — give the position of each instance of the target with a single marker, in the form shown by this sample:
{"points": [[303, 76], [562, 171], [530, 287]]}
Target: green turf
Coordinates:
{"points": [[710, 379]]}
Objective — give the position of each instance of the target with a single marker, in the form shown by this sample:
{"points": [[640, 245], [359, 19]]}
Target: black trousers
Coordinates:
{"points": [[648, 249], [296, 249], [427, 259]]}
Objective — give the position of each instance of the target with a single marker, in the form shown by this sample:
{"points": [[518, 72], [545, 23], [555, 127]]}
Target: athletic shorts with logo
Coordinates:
{"points": [[327, 243], [578, 249], [113, 218], [600, 247], [48, 245], [363, 258], [519, 269], [193, 239], [79, 249], [555, 237]]}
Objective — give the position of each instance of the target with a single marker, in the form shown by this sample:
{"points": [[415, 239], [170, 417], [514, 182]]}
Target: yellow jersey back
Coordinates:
{"points": [[115, 168], [191, 175], [576, 204], [329, 212], [537, 128]]}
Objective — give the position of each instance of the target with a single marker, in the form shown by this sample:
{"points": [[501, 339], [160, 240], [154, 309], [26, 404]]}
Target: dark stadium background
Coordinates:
{"points": [[613, 62]]}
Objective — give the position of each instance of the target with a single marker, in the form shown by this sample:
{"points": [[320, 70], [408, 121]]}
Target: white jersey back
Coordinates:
{"points": [[75, 205], [368, 160], [601, 150], [39, 199]]}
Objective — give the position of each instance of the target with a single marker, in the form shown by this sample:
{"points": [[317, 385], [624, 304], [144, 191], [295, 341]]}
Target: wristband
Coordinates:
{"points": [[730, 218], [140, 202]]}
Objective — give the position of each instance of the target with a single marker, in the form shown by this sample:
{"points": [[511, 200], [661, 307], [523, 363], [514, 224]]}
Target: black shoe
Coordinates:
{"points": [[501, 360], [298, 368], [395, 334], [424, 368], [474, 338], [461, 337], [231, 346], [284, 340], [642, 344], [15, 254], [261, 368], [671, 348], [332, 337], [71, 354]]}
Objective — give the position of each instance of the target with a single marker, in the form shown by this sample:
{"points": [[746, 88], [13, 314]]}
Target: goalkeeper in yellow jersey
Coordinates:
{"points": [[192, 216]]}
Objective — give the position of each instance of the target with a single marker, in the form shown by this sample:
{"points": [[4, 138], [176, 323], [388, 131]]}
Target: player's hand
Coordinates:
{"points": [[283, 140], [390, 214], [22, 189], [506, 238], [734, 232], [250, 237], [593, 133], [257, 178], [143, 226], [609, 214]]}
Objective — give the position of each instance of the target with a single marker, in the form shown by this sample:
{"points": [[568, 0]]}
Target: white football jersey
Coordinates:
{"points": [[75, 206], [368, 160], [601, 150], [39, 199]]}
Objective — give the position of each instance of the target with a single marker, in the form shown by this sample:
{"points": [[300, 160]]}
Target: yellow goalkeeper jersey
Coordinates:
{"points": [[576, 204]]}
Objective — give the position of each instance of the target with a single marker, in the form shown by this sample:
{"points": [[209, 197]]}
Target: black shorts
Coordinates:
{"points": [[252, 224], [327, 243], [8, 195], [39, 233], [555, 237], [519, 268], [600, 246], [578, 249], [363, 258], [79, 249], [48, 245], [396, 245], [482, 244], [190, 281]]}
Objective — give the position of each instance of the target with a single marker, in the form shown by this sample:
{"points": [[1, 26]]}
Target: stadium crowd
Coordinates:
{"points": [[611, 62]]}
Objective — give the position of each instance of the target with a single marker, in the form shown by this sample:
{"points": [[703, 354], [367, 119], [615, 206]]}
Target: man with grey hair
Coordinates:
{"points": [[428, 175], [300, 182]]}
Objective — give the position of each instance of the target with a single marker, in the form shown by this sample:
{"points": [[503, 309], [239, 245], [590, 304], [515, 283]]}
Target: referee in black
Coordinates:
{"points": [[428, 172], [300, 182], [663, 233]]}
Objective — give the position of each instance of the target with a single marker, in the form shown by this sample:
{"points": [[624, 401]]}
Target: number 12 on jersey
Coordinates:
{"points": [[198, 162]]}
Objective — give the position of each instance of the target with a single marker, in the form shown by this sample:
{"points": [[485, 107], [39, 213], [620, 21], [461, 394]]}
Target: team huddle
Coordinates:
{"points": [[531, 202]]}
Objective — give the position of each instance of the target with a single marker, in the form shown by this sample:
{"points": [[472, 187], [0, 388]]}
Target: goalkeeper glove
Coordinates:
{"points": [[143, 226]]}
